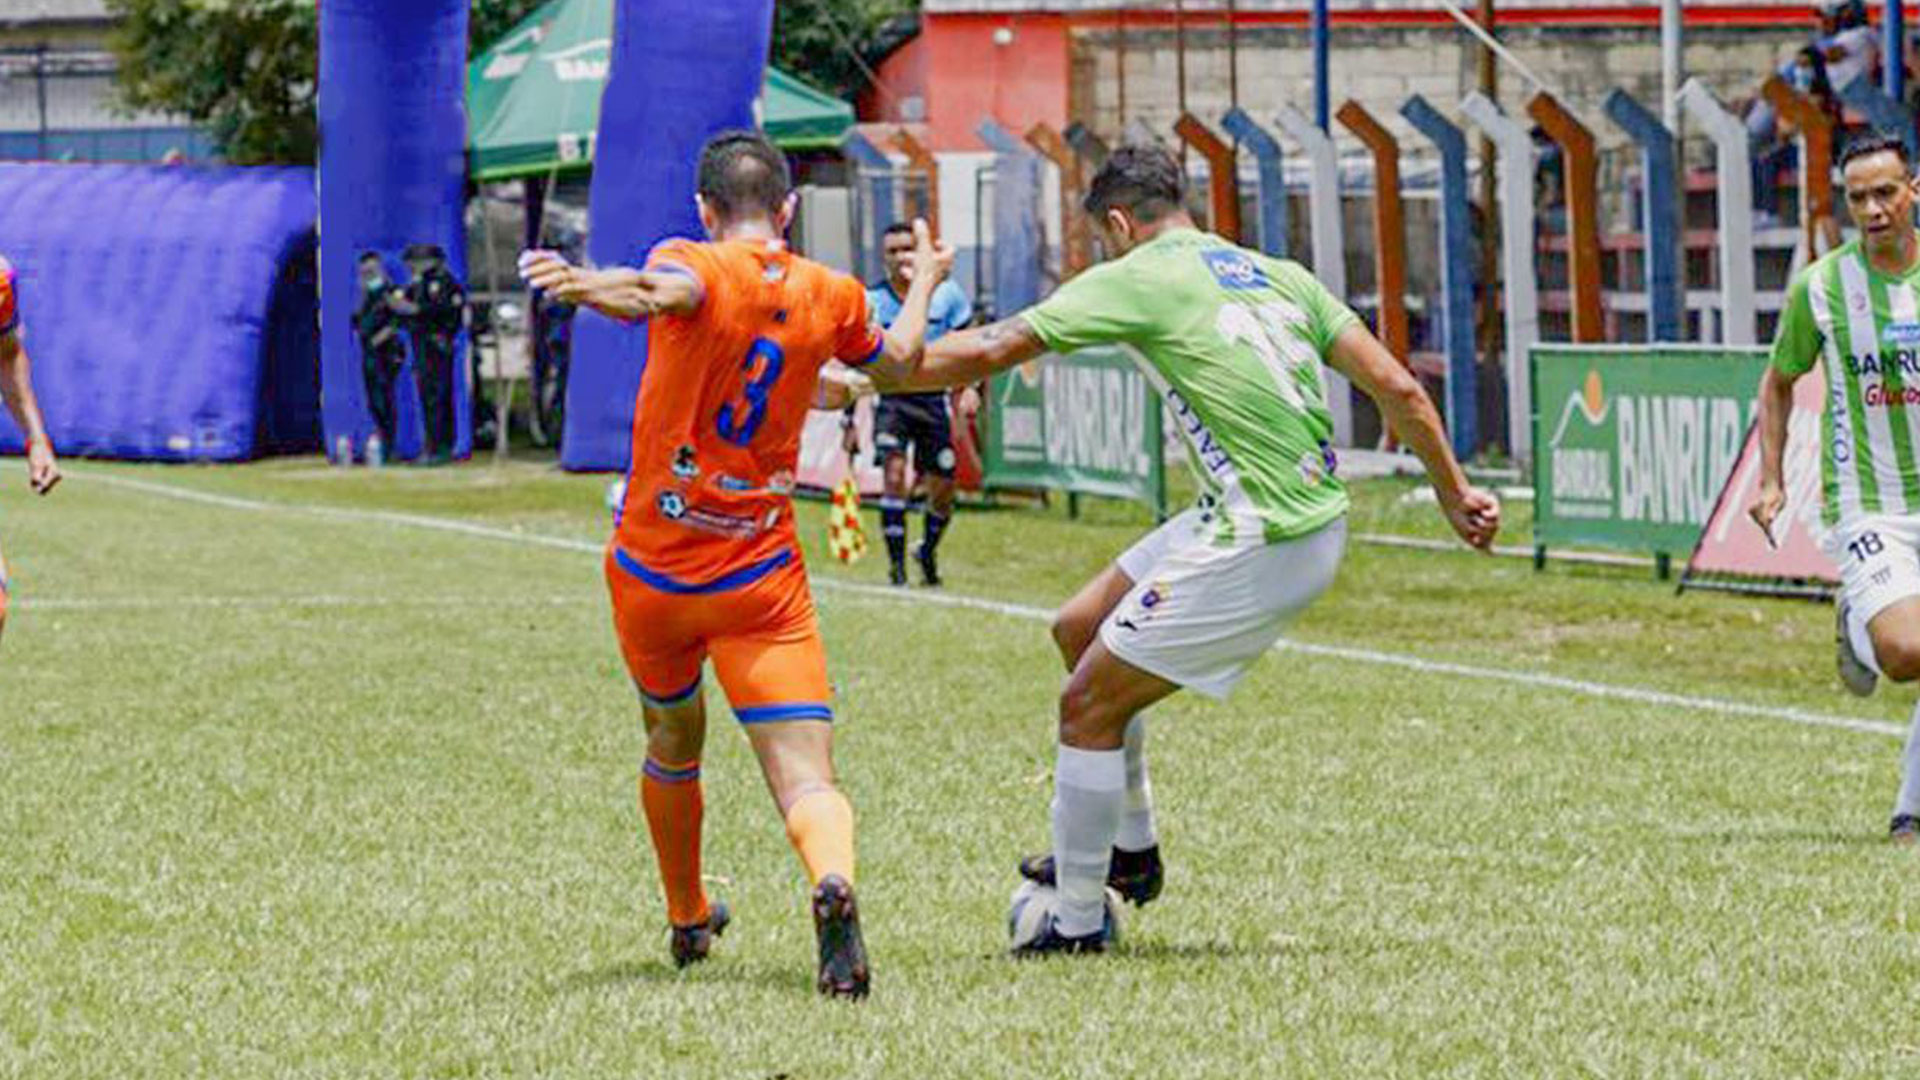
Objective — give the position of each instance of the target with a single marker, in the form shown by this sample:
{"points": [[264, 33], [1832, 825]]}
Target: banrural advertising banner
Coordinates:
{"points": [[1634, 444], [1086, 422]]}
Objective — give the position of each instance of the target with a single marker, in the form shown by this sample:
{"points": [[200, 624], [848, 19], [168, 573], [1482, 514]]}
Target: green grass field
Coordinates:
{"points": [[321, 790]]}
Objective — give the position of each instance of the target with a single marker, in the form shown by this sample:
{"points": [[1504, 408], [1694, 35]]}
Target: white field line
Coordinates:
{"points": [[1582, 687], [323, 600]]}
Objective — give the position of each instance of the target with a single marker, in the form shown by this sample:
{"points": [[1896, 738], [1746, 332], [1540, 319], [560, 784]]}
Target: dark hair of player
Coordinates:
{"points": [[1876, 142], [1145, 181], [369, 256], [741, 173], [898, 228]]}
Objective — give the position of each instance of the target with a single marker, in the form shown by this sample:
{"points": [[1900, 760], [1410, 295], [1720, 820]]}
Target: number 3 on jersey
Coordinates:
{"points": [[740, 419]]}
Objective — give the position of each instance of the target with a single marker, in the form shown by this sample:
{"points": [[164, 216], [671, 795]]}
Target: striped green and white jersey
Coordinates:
{"points": [[1863, 327]]}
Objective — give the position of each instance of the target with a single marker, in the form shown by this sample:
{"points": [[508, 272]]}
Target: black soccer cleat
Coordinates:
{"points": [[897, 575], [1136, 875], [929, 566], [690, 944], [1051, 942], [843, 955], [1905, 830]]}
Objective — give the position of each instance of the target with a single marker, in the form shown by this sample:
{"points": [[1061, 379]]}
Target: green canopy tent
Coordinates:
{"points": [[533, 97]]}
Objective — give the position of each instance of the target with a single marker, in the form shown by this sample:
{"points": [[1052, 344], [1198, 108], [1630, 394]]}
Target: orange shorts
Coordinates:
{"points": [[757, 624]]}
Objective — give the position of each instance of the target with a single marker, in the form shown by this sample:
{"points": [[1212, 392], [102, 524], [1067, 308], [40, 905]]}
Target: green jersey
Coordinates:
{"points": [[1233, 341], [1863, 326]]}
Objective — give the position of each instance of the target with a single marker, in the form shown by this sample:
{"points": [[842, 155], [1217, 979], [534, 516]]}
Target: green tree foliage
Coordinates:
{"points": [[241, 69], [820, 40], [244, 69]]}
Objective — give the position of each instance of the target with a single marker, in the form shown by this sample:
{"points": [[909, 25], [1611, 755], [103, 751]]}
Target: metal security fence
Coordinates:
{"points": [[60, 106]]}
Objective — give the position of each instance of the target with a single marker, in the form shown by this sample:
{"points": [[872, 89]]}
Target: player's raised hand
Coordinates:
{"points": [[1476, 517], [43, 469], [930, 259], [1766, 509]]}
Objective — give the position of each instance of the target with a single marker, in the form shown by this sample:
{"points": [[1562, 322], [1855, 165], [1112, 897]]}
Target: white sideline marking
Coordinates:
{"points": [[1609, 691], [169, 603]]}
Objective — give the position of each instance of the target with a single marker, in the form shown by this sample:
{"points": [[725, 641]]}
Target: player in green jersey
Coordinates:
{"points": [[1856, 313], [1233, 340]]}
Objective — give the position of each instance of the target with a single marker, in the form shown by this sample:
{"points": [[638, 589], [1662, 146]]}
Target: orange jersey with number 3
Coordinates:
{"points": [[716, 430]]}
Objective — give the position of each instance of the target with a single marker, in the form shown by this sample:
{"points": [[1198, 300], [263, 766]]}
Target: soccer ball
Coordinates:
{"points": [[1033, 903]]}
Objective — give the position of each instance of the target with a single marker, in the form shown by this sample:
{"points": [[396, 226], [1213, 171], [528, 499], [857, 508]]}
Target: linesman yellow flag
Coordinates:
{"points": [[845, 536]]}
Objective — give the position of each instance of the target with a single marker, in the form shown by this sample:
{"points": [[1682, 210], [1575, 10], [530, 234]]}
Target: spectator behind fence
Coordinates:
{"points": [[1777, 147]]}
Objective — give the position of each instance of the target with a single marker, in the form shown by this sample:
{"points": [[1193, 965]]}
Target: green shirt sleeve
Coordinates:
{"points": [[1327, 315], [1094, 308], [1796, 345]]}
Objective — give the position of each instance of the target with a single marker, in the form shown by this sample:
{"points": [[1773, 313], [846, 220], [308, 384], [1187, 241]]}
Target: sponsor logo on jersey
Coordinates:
{"points": [[1902, 362], [1881, 396], [1901, 333], [1235, 270], [1211, 455]]}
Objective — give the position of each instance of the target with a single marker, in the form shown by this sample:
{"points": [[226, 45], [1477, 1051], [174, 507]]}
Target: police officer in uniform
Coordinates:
{"points": [[438, 305], [383, 351]]}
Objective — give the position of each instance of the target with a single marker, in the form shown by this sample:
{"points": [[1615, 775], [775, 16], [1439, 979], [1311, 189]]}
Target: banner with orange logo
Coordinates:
{"points": [[1634, 444]]}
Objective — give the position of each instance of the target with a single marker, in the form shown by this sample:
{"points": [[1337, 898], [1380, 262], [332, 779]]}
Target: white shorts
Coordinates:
{"points": [[1879, 560], [1200, 614]]}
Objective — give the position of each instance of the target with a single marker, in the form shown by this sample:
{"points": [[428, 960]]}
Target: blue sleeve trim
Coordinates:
{"points": [[879, 346], [775, 714]]}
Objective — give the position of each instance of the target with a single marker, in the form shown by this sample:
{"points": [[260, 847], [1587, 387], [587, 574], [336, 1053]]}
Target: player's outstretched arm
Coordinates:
{"points": [[967, 356], [1776, 406], [618, 293], [1357, 354], [16, 388], [904, 342]]}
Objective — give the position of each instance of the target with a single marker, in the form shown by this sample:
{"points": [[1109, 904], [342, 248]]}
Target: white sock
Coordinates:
{"points": [[1089, 795], [1910, 771], [1862, 643], [1136, 823]]}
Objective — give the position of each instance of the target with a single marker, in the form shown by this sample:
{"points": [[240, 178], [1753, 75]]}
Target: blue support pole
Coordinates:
{"points": [[1017, 227], [1894, 53], [873, 190], [1273, 179], [1322, 77], [1456, 271], [1883, 112], [1665, 292]]}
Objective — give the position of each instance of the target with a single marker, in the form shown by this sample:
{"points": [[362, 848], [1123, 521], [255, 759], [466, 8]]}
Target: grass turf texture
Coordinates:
{"points": [[302, 795]]}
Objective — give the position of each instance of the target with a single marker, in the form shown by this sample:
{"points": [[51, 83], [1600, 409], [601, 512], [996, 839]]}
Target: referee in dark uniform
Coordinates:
{"points": [[916, 424]]}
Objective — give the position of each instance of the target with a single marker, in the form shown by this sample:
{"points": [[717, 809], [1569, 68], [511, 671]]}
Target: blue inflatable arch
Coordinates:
{"points": [[169, 311], [682, 70], [393, 137]]}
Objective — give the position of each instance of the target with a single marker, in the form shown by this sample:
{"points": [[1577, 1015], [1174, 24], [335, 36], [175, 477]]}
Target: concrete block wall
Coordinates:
{"points": [[1382, 67]]}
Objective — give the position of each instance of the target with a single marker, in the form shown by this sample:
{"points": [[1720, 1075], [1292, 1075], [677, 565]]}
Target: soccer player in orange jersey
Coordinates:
{"points": [[705, 564], [16, 388]]}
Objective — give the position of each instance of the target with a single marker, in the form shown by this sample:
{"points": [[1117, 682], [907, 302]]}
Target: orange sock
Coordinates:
{"points": [[820, 824], [670, 796]]}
